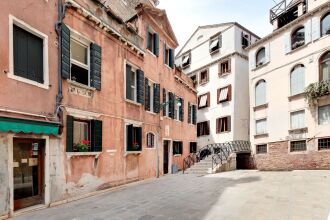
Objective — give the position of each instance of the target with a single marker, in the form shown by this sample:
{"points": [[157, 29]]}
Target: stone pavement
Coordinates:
{"points": [[238, 195]]}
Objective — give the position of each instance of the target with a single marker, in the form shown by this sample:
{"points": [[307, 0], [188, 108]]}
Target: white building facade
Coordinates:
{"points": [[216, 60], [289, 89]]}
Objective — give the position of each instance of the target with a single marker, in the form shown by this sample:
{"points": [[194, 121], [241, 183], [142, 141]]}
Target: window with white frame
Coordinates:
{"points": [[298, 38], [261, 126], [296, 146], [131, 83], [297, 80], [297, 119], [325, 24], [324, 115], [260, 93], [261, 57], [79, 61], [150, 140]]}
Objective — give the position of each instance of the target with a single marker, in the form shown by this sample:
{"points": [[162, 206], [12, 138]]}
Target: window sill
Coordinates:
{"points": [[298, 130], [152, 113], [150, 148], [297, 96], [224, 132], [224, 74], [260, 66], [261, 135], [83, 154], [186, 66], [133, 102], [297, 49], [201, 108], [203, 83], [205, 135], [132, 153], [298, 152], [28, 81], [82, 86], [260, 154], [215, 52], [80, 89], [177, 155], [260, 107], [170, 68], [151, 53]]}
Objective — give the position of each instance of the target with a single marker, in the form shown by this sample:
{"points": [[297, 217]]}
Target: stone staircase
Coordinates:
{"points": [[202, 168]]}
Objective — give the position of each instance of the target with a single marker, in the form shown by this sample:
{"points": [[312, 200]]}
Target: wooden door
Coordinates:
{"points": [[166, 159]]}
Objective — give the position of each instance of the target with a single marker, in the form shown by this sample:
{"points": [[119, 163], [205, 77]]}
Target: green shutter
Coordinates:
{"points": [[65, 50], [189, 113], [140, 86], [194, 114], [171, 58], [96, 137], [69, 133], [128, 82], [156, 98], [139, 138], [165, 53], [147, 95], [95, 65], [147, 38], [129, 138], [156, 44], [164, 102], [181, 115], [171, 105]]}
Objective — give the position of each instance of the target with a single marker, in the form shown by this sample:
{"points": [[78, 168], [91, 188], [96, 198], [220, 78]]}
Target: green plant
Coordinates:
{"points": [[83, 146], [317, 90]]}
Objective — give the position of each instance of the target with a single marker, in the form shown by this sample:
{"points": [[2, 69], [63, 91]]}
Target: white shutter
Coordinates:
{"points": [[260, 93], [252, 59], [297, 79], [308, 31], [261, 126], [287, 43], [316, 28], [298, 120], [267, 53]]}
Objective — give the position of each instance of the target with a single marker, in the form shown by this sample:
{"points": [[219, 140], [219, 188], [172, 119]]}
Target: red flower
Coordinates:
{"points": [[85, 142]]}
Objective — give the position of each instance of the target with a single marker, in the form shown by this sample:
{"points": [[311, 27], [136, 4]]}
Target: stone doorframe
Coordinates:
{"points": [[170, 152]]}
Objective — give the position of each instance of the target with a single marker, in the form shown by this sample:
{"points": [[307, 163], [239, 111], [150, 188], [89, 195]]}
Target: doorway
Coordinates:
{"points": [[166, 156], [28, 172]]}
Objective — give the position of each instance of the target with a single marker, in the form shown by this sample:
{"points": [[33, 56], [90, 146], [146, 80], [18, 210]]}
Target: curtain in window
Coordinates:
{"points": [[223, 94], [261, 93], [203, 101], [324, 115], [297, 120], [261, 126], [297, 80]]}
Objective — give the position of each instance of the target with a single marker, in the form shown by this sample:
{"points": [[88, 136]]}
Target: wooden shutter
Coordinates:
{"points": [[218, 125], [129, 138], [229, 93], [147, 95], [220, 41], [308, 31], [69, 133], [207, 128], [128, 82], [287, 42], [20, 48], [164, 102], [96, 137], [252, 59], [65, 51], [229, 123], [95, 66], [218, 96], [171, 105], [181, 115], [156, 98], [189, 113], [139, 138], [316, 28], [140, 86], [164, 53], [208, 100], [198, 129], [171, 58], [147, 38], [229, 65], [194, 114], [156, 44]]}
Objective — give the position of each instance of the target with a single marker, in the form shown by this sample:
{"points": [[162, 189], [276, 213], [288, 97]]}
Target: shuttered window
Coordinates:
{"points": [[261, 57], [297, 80], [325, 25], [260, 93], [224, 94], [152, 96], [133, 138], [192, 113], [204, 101], [297, 119], [28, 55], [215, 44], [135, 84], [152, 41], [203, 128], [223, 125], [224, 67], [168, 56], [177, 147], [186, 60], [298, 38], [203, 76], [261, 126]]}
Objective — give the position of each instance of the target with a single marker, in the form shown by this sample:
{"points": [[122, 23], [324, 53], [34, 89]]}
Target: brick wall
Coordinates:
{"points": [[279, 158]]}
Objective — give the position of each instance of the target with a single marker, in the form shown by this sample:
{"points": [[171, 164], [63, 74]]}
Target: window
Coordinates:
{"points": [[215, 43], [149, 96], [152, 41], [193, 147], [83, 135], [204, 101], [224, 94], [186, 60], [192, 113], [261, 149], [224, 67], [324, 144], [177, 108], [246, 39], [298, 38], [203, 128], [150, 140], [204, 77], [133, 138], [223, 124], [166, 108], [324, 66], [297, 80], [261, 57], [79, 62], [194, 79], [177, 147], [261, 127], [325, 25], [324, 115], [260, 93], [28, 55], [297, 119], [135, 84], [168, 56], [296, 146]]}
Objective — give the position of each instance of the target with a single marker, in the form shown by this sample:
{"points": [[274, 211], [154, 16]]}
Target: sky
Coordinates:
{"points": [[186, 15]]}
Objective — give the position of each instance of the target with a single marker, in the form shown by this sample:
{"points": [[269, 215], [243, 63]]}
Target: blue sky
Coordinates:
{"points": [[186, 15]]}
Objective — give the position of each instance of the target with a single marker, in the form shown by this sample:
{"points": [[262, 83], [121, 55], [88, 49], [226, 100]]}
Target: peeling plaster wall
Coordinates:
{"points": [[4, 178]]}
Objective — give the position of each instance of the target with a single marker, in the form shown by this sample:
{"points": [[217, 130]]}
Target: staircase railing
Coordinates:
{"points": [[219, 152]]}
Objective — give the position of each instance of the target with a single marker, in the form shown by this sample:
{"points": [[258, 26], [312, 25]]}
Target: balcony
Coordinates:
{"points": [[286, 13], [316, 91]]}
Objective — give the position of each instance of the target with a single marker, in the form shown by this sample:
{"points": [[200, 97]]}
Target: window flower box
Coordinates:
{"points": [[317, 90]]}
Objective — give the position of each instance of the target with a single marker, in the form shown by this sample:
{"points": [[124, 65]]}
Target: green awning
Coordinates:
{"points": [[27, 126]]}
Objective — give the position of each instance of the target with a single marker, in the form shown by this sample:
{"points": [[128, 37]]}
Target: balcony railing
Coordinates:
{"points": [[317, 90], [282, 7]]}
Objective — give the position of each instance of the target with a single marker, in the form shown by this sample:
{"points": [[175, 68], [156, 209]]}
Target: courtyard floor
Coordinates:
{"points": [[238, 195]]}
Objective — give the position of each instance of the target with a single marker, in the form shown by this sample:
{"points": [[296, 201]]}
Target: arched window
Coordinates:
{"points": [[298, 38], [261, 57], [260, 92], [325, 24], [324, 66], [297, 80], [150, 140]]}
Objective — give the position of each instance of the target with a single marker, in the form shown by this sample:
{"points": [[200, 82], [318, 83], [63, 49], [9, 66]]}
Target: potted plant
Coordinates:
{"points": [[136, 146], [317, 90], [83, 146]]}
